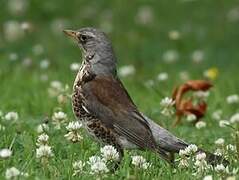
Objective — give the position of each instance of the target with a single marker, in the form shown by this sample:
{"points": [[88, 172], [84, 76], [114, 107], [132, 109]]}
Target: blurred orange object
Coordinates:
{"points": [[186, 106]]}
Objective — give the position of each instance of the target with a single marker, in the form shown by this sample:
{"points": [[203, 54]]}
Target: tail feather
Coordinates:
{"points": [[164, 139], [215, 159], [168, 143]]}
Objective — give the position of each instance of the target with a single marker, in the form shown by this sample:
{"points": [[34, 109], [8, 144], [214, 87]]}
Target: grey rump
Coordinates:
{"points": [[101, 102]]}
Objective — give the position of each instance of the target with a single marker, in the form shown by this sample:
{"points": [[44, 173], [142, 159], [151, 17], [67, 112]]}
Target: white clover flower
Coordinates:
{"points": [[58, 118], [183, 163], [183, 153], [73, 134], [170, 56], [234, 118], [217, 115], [219, 142], [5, 153], [41, 128], [146, 165], [144, 15], [174, 35], [191, 149], [74, 125], [200, 124], [44, 64], [56, 84], [233, 99], [12, 173], [42, 139], [24, 174], [220, 168], [55, 88], [75, 66], [201, 94], [233, 14], [99, 167], [140, 162], [191, 118], [13, 56], [44, 151], [93, 159], [184, 75], [78, 167], [109, 152], [162, 76], [125, 71], [218, 152], [12, 31], [231, 147], [167, 106], [201, 156], [201, 163], [59, 115], [208, 177], [17, 7], [166, 102], [224, 123], [27, 62], [149, 83], [26, 26], [198, 56], [201, 166], [38, 49], [11, 116]]}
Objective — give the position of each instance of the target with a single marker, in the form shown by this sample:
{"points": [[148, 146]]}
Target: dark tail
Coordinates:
{"points": [[215, 159], [168, 144]]}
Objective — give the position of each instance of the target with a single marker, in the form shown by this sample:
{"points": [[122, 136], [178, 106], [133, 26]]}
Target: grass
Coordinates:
{"points": [[203, 25]]}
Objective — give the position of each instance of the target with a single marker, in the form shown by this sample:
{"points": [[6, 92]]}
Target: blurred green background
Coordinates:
{"points": [[159, 44], [140, 32]]}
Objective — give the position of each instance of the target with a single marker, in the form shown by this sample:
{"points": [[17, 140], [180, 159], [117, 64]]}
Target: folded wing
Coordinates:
{"points": [[107, 99]]}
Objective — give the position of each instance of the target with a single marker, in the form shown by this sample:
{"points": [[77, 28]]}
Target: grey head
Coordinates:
{"points": [[97, 51]]}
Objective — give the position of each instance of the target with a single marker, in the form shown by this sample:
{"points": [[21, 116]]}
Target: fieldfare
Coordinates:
{"points": [[105, 108]]}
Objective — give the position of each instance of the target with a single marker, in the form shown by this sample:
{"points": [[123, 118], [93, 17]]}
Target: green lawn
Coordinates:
{"points": [[140, 35]]}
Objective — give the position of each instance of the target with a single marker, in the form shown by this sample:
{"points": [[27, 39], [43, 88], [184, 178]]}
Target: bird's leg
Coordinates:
{"points": [[107, 136], [167, 156], [172, 158]]}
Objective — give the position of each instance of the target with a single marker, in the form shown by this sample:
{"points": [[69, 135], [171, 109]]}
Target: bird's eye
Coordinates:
{"points": [[83, 38]]}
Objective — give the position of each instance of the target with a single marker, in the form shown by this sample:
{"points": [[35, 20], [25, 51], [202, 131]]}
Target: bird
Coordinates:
{"points": [[105, 108]]}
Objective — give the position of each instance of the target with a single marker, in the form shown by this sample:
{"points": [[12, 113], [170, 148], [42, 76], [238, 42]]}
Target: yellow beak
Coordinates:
{"points": [[71, 33]]}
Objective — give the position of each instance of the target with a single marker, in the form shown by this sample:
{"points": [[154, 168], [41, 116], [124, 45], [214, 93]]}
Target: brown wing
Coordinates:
{"points": [[107, 99]]}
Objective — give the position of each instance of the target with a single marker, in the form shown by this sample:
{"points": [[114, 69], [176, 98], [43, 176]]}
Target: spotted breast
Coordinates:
{"points": [[93, 126], [79, 109]]}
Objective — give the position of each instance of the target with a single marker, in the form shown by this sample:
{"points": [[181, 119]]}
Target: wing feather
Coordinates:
{"points": [[108, 100]]}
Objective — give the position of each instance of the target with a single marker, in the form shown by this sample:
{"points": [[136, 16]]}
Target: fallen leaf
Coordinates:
{"points": [[186, 106]]}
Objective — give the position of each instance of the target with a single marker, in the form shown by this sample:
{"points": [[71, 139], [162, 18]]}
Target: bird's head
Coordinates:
{"points": [[96, 49]]}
